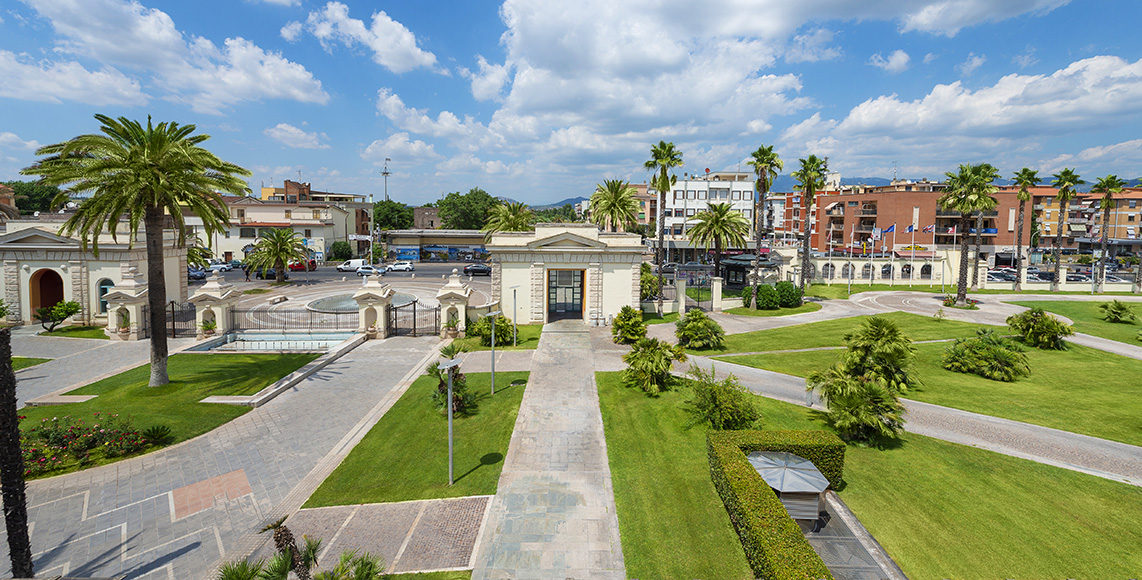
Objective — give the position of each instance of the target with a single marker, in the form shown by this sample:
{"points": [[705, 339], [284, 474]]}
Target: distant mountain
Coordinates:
{"points": [[561, 203]]}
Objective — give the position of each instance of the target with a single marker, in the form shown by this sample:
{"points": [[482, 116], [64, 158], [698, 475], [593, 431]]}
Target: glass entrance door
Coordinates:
{"points": [[564, 294]]}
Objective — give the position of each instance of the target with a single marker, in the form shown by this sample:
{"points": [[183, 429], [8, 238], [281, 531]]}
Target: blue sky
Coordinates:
{"points": [[538, 100]]}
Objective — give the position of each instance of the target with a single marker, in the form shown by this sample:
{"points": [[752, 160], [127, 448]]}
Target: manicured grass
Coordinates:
{"points": [[839, 289], [703, 293], [176, 404], [450, 575], [941, 510], [1082, 390], [653, 318], [405, 455], [1088, 319], [747, 311], [256, 291], [77, 332], [23, 362], [527, 338]]}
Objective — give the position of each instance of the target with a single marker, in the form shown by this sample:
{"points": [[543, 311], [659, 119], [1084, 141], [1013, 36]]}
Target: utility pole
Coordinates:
{"points": [[386, 173]]}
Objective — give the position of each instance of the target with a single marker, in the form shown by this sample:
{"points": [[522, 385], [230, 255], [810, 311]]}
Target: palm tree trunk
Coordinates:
{"points": [[1059, 245], [978, 241], [805, 253], [156, 295], [12, 466], [658, 223], [1019, 249], [962, 282], [1105, 235], [759, 229], [279, 272]]}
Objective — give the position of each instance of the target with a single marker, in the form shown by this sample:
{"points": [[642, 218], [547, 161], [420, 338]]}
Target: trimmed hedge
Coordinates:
{"points": [[774, 545]]}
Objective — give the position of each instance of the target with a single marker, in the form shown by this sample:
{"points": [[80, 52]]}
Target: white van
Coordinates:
{"points": [[351, 265]]}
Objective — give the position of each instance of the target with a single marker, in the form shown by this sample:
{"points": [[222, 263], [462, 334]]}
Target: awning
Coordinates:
{"points": [[1077, 228], [916, 255], [786, 472], [831, 205]]}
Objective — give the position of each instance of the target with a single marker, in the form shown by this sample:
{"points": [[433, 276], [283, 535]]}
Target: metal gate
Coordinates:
{"points": [[179, 321], [413, 319]]}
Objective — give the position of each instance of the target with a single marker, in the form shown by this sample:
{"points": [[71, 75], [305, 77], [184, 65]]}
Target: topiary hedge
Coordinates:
{"points": [[788, 295], [767, 298], [774, 545]]}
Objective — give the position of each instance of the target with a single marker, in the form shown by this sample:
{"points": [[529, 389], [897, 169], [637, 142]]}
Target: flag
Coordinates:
{"points": [[930, 229], [891, 229], [911, 229], [952, 230]]}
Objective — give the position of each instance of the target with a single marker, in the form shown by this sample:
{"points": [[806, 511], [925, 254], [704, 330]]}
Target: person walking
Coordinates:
{"points": [[246, 269]]}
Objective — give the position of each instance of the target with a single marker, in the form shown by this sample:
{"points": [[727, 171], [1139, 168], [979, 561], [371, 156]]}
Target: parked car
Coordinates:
{"points": [[1116, 279], [400, 267], [669, 268], [236, 263], [298, 266], [1077, 278], [268, 274], [477, 270], [350, 265], [370, 271], [195, 273], [219, 265]]}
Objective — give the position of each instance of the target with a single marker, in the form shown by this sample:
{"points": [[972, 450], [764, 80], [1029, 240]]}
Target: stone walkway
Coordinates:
{"points": [[553, 516]]}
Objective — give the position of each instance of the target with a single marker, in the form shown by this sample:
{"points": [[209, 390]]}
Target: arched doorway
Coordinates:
{"points": [[828, 271], [46, 289]]}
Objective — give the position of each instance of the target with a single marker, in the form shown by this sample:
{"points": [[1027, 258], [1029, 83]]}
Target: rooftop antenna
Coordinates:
{"points": [[893, 171], [299, 176], [386, 173]]}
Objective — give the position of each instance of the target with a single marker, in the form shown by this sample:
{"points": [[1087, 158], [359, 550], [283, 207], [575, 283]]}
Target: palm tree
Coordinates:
{"points": [[969, 191], [810, 179], [12, 462], [663, 158], [510, 217], [145, 174], [766, 164], [1025, 179], [719, 226], [1107, 186], [276, 249], [1066, 181], [613, 202]]}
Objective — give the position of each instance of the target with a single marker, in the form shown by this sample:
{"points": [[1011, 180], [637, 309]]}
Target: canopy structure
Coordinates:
{"points": [[786, 472]]}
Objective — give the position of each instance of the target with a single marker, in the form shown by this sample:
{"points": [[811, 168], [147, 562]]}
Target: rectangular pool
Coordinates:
{"points": [[274, 341]]}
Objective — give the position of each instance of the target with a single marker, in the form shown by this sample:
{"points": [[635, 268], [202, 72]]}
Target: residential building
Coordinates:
{"points": [[1123, 227], [426, 218], [356, 204], [693, 194], [318, 224]]}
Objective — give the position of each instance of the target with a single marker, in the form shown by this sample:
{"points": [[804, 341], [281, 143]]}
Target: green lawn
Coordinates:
{"points": [[450, 575], [176, 404], [527, 338], [1062, 391], [747, 311], [1088, 319], [77, 332], [405, 455], [839, 289], [23, 362], [703, 293], [256, 291], [941, 510], [653, 318]]}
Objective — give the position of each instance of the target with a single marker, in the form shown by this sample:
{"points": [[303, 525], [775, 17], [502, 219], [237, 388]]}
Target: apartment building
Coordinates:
{"points": [[693, 194], [318, 224], [301, 193], [1123, 228]]}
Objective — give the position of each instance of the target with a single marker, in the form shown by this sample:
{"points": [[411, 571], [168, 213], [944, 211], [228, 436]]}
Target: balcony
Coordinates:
{"points": [[865, 227], [1037, 207], [947, 213], [836, 211], [867, 212], [836, 227]]}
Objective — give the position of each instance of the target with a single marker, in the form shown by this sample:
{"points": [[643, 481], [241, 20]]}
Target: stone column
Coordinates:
{"points": [[497, 280], [680, 294], [635, 285], [125, 303], [214, 301], [716, 293], [595, 316], [12, 290], [375, 297], [454, 294], [538, 293]]}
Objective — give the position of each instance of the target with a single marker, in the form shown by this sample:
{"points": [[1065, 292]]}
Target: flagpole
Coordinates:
{"points": [[852, 240], [912, 258], [892, 258], [932, 284], [871, 267]]}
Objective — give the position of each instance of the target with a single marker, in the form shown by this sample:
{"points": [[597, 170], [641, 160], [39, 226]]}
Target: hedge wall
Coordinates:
{"points": [[773, 542]]}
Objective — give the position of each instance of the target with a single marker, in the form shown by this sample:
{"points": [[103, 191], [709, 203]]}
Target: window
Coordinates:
{"points": [[677, 230], [241, 213], [105, 286], [316, 214], [690, 212], [1133, 203], [288, 214], [747, 213], [852, 204], [702, 194], [667, 212], [247, 233], [691, 194], [308, 233], [1050, 201], [227, 234], [679, 194], [1130, 217]]}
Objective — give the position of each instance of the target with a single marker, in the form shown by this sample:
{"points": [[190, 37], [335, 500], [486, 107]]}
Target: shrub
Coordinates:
{"points": [[649, 363], [157, 434], [628, 326], [462, 400], [647, 283], [1085, 259], [987, 355], [723, 404], [1039, 329], [52, 317], [483, 329], [340, 250], [49, 444], [861, 408], [788, 295], [774, 545], [767, 298], [698, 331], [746, 294], [1117, 311]]}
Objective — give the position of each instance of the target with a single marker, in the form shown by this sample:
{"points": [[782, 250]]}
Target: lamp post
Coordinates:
{"points": [[494, 315], [447, 367], [372, 220], [515, 317]]}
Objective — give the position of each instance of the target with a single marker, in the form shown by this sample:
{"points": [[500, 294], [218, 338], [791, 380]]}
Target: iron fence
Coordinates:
{"points": [[413, 319], [291, 319]]}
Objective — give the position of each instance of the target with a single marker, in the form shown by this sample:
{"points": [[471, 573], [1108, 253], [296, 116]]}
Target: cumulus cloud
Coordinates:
{"points": [[1098, 159], [487, 82], [394, 46], [896, 62], [948, 17], [973, 62], [9, 140], [55, 82], [398, 145], [291, 31], [1026, 58], [291, 136], [812, 47]]}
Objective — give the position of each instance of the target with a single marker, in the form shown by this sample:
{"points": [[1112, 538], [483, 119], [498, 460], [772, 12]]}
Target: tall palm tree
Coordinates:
{"points": [[663, 158], [12, 462], [766, 164], [141, 174], [810, 179], [719, 226], [979, 237], [1107, 186], [613, 203], [969, 191], [276, 249], [1065, 181], [510, 217], [1026, 179]]}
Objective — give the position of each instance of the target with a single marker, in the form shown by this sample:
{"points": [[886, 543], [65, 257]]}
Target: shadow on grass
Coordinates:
{"points": [[488, 460]]}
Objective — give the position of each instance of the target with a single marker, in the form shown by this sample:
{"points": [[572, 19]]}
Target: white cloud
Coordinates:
{"points": [[65, 81], [282, 2], [973, 62], [812, 47], [394, 46], [467, 163], [1026, 58], [488, 82], [948, 17], [9, 140], [1098, 159], [896, 62], [446, 124], [399, 146], [928, 58], [291, 31], [291, 136]]}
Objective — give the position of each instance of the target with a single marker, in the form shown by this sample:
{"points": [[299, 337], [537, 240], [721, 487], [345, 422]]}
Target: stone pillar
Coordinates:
{"points": [[497, 280], [213, 302], [538, 293], [595, 315], [125, 303], [454, 294], [12, 290], [680, 294], [716, 293], [373, 300], [636, 285]]}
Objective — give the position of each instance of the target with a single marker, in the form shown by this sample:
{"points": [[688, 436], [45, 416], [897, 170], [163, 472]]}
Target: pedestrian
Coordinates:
{"points": [[246, 269]]}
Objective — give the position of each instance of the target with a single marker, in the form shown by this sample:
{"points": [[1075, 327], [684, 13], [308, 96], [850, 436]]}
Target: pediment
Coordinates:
{"points": [[566, 241], [37, 237]]}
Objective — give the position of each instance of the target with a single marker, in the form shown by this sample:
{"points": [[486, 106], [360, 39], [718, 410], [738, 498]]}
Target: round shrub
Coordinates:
{"points": [[698, 331], [483, 329], [987, 355], [767, 298], [1039, 329], [649, 363], [1117, 311], [628, 326], [788, 295]]}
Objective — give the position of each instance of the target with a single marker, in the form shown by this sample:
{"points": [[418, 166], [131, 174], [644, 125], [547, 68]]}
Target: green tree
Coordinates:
{"points": [[649, 363], [141, 174], [33, 196], [613, 204], [509, 217], [12, 462], [1107, 186], [276, 249], [723, 404], [467, 211], [340, 250], [663, 158], [721, 227], [1066, 181], [810, 179], [392, 215], [969, 191], [52, 316], [766, 165], [1026, 179]]}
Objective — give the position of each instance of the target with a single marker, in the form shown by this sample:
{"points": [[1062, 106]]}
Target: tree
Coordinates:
{"points": [[663, 158], [340, 250], [466, 211], [141, 174], [276, 249], [724, 404], [12, 462], [1025, 179], [299, 561], [810, 179], [392, 215], [649, 363], [613, 203], [510, 217], [766, 164], [1107, 186], [719, 226], [33, 196], [1065, 181], [969, 191], [52, 316]]}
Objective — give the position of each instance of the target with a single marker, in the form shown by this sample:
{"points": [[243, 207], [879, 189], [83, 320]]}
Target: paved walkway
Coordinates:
{"points": [[553, 516]]}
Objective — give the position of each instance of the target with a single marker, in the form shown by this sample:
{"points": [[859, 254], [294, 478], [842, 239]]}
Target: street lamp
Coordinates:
{"points": [[515, 316], [494, 315], [447, 367]]}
